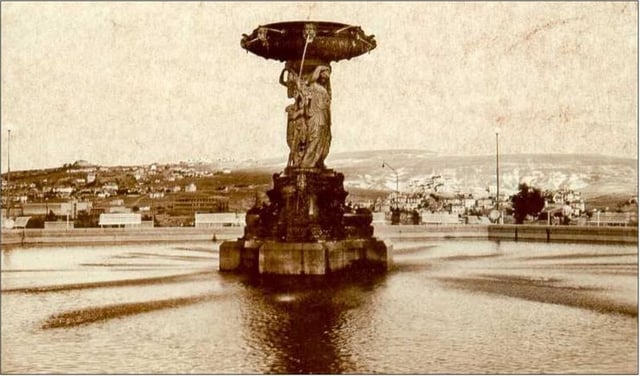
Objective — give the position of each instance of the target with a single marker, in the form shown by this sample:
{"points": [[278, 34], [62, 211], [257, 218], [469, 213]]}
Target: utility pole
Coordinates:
{"points": [[8, 172], [9, 156], [498, 175]]}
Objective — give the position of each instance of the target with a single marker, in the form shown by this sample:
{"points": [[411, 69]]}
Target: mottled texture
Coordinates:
{"points": [[124, 83]]}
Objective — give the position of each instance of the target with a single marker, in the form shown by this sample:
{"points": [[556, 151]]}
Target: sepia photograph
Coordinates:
{"points": [[435, 187]]}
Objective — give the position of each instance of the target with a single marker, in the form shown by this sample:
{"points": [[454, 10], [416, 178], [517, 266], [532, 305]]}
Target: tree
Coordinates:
{"points": [[528, 201], [85, 219]]}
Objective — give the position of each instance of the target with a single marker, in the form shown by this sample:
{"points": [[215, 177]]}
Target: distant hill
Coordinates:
{"points": [[593, 175], [602, 179]]}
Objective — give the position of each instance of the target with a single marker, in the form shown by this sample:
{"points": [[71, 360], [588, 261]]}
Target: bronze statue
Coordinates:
{"points": [[317, 105], [295, 134], [296, 124], [308, 48], [309, 117]]}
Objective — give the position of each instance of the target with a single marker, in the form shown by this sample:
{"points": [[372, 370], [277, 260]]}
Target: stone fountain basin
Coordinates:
{"points": [[285, 41]]}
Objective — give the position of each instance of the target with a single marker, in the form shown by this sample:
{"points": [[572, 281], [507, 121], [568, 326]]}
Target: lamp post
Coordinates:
{"points": [[395, 172], [500, 220], [9, 156], [10, 203]]}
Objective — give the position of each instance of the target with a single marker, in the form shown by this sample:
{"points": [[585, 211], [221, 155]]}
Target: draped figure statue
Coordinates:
{"points": [[317, 97], [295, 134], [296, 124], [309, 117]]}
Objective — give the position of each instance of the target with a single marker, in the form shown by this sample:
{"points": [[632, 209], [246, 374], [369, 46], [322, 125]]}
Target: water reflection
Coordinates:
{"points": [[301, 324], [447, 307]]}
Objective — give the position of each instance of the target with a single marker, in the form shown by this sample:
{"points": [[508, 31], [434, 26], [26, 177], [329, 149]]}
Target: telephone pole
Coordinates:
{"points": [[9, 156], [498, 176], [10, 203]]}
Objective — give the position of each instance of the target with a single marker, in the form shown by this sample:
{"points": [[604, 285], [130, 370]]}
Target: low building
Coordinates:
{"points": [[110, 187], [117, 202], [485, 203], [219, 219], [21, 222], [191, 203], [156, 195], [63, 191], [457, 209], [439, 218], [469, 203], [477, 220], [126, 220], [60, 209], [613, 219], [36, 208]]}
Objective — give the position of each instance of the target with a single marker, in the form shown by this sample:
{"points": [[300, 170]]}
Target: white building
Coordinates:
{"points": [[219, 219], [110, 187], [117, 202], [469, 203], [156, 195], [439, 218], [457, 209], [64, 191], [120, 220]]}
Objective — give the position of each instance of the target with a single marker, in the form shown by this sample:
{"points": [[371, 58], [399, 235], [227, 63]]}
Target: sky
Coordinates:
{"points": [[136, 83]]}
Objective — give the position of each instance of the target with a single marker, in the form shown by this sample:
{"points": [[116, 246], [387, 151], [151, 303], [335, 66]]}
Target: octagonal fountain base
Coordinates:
{"points": [[306, 258], [306, 229]]}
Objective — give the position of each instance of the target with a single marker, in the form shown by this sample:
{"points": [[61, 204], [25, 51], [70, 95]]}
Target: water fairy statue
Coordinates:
{"points": [[317, 105], [309, 117]]}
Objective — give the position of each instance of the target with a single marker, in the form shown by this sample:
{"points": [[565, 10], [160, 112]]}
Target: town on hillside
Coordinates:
{"points": [[81, 194]]}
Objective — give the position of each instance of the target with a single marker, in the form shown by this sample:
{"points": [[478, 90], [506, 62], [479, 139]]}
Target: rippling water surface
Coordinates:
{"points": [[447, 307]]}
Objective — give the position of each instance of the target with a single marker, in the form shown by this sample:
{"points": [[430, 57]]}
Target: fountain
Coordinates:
{"points": [[306, 228]]}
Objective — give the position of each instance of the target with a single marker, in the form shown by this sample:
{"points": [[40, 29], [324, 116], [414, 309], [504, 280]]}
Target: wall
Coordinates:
{"points": [[58, 225], [384, 232]]}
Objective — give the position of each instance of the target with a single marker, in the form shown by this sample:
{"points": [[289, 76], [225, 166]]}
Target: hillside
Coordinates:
{"points": [[603, 181], [593, 175]]}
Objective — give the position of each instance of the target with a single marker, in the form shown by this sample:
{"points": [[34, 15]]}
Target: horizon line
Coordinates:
{"points": [[271, 159]]}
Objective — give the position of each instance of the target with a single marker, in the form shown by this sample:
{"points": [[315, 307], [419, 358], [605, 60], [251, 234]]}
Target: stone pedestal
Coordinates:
{"points": [[304, 258], [306, 229], [305, 205]]}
